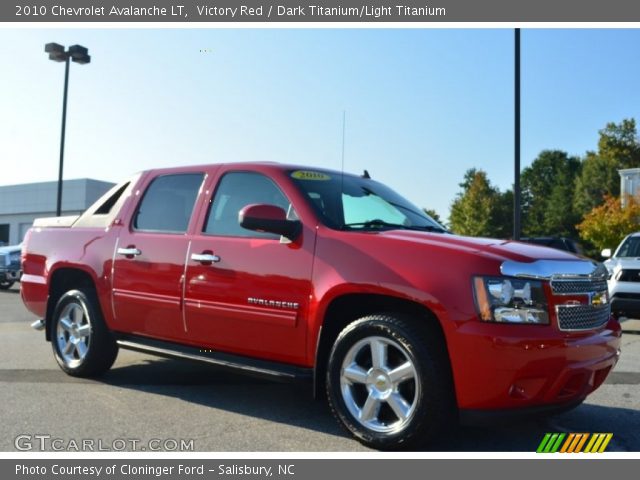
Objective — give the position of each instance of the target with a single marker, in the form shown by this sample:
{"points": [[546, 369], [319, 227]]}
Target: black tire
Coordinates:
{"points": [[82, 344], [6, 284], [425, 386]]}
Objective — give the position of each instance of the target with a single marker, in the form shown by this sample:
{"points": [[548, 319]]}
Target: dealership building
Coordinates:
{"points": [[20, 205]]}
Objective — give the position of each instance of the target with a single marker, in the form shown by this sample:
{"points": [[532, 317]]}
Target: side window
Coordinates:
{"points": [[168, 202], [235, 191], [106, 207]]}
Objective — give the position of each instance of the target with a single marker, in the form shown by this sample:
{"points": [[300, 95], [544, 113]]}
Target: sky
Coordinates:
{"points": [[422, 106]]}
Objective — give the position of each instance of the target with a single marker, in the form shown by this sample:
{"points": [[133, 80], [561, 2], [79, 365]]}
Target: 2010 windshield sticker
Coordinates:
{"points": [[310, 175]]}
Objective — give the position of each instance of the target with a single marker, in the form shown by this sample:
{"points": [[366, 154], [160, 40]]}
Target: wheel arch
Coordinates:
{"points": [[349, 307], [62, 280]]}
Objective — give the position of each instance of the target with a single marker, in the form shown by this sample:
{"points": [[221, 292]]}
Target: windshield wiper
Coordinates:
{"points": [[382, 224]]}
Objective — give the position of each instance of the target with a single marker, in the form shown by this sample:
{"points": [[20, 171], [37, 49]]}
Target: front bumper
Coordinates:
{"points": [[626, 305], [625, 298], [521, 367]]}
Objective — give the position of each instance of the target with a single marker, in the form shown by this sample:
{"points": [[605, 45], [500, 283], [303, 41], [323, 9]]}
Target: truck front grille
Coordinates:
{"points": [[582, 317], [591, 313]]}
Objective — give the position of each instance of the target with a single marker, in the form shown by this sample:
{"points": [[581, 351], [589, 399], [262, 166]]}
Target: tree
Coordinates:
{"points": [[503, 215], [618, 147], [433, 214], [599, 178], [547, 194], [620, 142], [475, 211], [606, 225]]}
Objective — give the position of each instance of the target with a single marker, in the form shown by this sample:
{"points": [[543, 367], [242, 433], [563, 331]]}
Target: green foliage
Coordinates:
{"points": [[477, 210], [433, 214], [598, 179], [606, 225], [547, 191], [503, 216], [620, 142], [618, 147], [558, 191]]}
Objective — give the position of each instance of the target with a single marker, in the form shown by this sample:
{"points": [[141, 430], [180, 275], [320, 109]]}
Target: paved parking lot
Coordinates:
{"points": [[146, 398]]}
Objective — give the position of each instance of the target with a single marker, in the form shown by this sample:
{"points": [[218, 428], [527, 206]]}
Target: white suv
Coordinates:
{"points": [[624, 277]]}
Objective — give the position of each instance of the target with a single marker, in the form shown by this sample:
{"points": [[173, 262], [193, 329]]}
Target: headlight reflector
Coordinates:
{"points": [[511, 300]]}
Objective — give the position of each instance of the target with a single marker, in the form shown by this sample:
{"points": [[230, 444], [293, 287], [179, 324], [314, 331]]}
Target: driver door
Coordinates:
{"points": [[247, 292]]}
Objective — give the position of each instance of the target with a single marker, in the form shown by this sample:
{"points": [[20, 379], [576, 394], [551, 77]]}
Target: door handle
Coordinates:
{"points": [[205, 258], [129, 251]]}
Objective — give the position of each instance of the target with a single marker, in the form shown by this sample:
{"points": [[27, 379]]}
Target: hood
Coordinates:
{"points": [[514, 259], [498, 249], [10, 249], [626, 263]]}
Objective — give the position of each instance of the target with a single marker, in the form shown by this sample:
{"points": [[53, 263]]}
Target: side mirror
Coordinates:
{"points": [[606, 253], [268, 218]]}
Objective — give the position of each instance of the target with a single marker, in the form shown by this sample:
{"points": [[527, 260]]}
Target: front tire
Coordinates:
{"points": [[82, 344], [389, 381], [6, 284]]}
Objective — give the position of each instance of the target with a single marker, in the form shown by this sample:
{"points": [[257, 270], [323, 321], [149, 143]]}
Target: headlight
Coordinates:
{"points": [[4, 260], [511, 300], [14, 257]]}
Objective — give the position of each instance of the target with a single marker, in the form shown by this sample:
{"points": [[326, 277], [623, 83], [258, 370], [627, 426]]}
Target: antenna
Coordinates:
{"points": [[344, 127]]}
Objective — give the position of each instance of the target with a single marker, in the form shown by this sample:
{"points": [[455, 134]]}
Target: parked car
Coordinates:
{"points": [[559, 243], [10, 268], [624, 276], [309, 274]]}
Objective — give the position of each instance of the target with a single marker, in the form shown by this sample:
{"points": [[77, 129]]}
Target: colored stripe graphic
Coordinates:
{"points": [[592, 440], [583, 439], [550, 443], [567, 443], [604, 445], [599, 442], [543, 443], [574, 443]]}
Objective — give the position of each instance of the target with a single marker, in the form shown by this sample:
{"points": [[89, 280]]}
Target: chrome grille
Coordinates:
{"points": [[587, 316], [582, 317], [570, 287]]}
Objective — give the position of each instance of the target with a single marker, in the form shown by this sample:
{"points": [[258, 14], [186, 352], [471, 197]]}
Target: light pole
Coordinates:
{"points": [[517, 214], [57, 53]]}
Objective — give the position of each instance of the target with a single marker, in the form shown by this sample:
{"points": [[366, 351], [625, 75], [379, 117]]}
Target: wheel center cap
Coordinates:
{"points": [[379, 381]]}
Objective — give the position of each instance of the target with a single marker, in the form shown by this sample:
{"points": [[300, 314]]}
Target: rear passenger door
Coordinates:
{"points": [[150, 258], [252, 294]]}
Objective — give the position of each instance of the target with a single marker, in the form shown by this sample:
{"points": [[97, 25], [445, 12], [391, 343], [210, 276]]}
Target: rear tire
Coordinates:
{"points": [[389, 381], [82, 344]]}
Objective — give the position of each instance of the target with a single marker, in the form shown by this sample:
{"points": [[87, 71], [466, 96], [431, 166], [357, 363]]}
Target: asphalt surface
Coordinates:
{"points": [[153, 403]]}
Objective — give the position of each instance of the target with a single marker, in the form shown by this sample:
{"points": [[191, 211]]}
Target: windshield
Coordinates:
{"points": [[629, 248], [346, 202]]}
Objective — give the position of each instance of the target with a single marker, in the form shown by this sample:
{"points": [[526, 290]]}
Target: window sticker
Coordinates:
{"points": [[310, 175]]}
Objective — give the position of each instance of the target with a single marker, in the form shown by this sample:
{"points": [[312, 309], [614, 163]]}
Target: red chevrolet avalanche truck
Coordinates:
{"points": [[310, 274]]}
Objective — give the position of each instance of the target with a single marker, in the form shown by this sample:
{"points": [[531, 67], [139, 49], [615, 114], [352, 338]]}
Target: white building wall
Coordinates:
{"points": [[629, 184], [20, 205]]}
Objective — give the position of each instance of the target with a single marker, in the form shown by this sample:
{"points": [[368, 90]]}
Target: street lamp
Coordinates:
{"points": [[517, 213], [78, 54]]}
